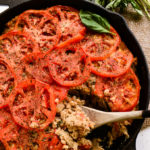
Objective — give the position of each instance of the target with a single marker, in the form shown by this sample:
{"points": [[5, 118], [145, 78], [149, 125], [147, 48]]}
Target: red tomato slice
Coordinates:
{"points": [[110, 42], [8, 130], [115, 65], [13, 136], [6, 121], [36, 65], [17, 140], [121, 93], [7, 82], [41, 26], [93, 46], [60, 92], [15, 46], [28, 139], [49, 141], [32, 105], [71, 28], [99, 46], [69, 66]]}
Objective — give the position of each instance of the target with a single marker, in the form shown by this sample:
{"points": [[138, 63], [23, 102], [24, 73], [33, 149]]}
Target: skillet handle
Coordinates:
{"points": [[146, 114], [12, 3]]}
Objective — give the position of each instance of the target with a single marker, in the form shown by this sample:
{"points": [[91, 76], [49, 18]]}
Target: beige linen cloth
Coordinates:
{"points": [[140, 26]]}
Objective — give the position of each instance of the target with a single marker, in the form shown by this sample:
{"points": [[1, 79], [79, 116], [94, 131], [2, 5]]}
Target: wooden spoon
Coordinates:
{"points": [[101, 117]]}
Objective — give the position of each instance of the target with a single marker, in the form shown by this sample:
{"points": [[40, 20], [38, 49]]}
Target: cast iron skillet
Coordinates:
{"points": [[18, 6]]}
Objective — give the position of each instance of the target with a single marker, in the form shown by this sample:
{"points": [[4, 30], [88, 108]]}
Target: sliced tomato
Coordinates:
{"points": [[13, 136], [60, 92], [121, 93], [71, 28], [99, 46], [7, 82], [9, 138], [15, 46], [110, 42], [69, 66], [32, 105], [93, 46], [41, 26], [24, 141], [17, 141], [114, 65], [28, 139], [36, 65], [5, 120], [49, 141], [8, 130], [5, 43]]}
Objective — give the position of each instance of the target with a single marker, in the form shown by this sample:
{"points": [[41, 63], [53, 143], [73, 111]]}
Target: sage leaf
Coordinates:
{"points": [[113, 4], [110, 5], [100, 2], [136, 7], [95, 22]]}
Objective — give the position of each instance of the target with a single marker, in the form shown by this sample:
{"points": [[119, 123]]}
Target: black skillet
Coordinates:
{"points": [[18, 6]]}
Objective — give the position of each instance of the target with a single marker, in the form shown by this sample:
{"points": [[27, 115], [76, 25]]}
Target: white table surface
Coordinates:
{"points": [[143, 138], [3, 8]]}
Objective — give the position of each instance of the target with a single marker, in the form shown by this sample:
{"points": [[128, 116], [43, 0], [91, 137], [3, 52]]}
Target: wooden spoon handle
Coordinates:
{"points": [[100, 117]]}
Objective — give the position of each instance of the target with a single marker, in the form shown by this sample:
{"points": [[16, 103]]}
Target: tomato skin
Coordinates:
{"points": [[54, 9], [77, 38], [13, 136], [32, 105], [68, 17], [36, 65], [37, 70], [100, 46], [115, 65], [69, 66], [7, 81], [8, 129], [40, 25], [7, 147], [121, 93], [60, 92], [16, 41], [14, 46], [92, 46], [107, 41]]}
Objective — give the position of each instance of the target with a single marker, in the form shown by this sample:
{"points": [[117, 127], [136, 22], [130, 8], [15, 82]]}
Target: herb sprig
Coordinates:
{"points": [[139, 6]]}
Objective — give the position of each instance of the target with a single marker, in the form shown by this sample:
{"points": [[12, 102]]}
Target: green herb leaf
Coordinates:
{"points": [[136, 7], [113, 4], [125, 3], [100, 2], [110, 5], [140, 6], [95, 22]]}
